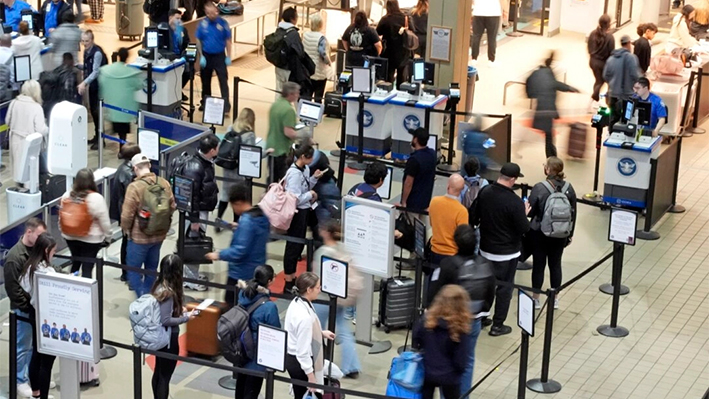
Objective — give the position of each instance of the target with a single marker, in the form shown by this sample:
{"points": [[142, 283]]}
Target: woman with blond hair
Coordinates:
{"points": [[442, 336], [24, 117], [318, 49]]}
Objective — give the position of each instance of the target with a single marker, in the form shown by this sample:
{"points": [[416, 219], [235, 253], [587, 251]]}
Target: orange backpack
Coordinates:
{"points": [[74, 217]]}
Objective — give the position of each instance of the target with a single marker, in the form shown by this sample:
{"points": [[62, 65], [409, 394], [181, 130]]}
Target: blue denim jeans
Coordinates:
{"points": [[467, 380], [139, 255], [343, 336], [24, 348]]}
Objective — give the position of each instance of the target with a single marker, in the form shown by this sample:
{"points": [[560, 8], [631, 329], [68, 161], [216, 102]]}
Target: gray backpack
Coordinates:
{"points": [[557, 221], [148, 331]]}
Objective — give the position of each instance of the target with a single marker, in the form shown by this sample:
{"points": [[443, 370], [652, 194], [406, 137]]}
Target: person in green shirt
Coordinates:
{"points": [[281, 129], [118, 83]]}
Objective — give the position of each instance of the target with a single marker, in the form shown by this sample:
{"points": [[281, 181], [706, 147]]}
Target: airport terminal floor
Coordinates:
{"points": [[666, 354]]}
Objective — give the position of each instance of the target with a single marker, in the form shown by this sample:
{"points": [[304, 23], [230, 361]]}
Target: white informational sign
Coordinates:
{"points": [[361, 80], [440, 43], [525, 313], [333, 274], [23, 68], [250, 161], [149, 142], [271, 347], [384, 190], [213, 111], [67, 316], [368, 228], [623, 226]]}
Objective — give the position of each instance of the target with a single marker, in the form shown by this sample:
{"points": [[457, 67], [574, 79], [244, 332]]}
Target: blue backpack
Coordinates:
{"points": [[406, 376]]}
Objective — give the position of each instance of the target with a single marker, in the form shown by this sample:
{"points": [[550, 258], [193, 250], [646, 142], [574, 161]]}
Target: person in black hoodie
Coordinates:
{"points": [[548, 250], [123, 177], [642, 48], [389, 28], [600, 45], [442, 336]]}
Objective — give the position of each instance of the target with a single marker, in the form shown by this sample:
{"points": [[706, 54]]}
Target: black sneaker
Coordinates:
{"points": [[288, 288], [201, 107], [496, 331], [93, 140], [353, 375], [185, 98], [486, 322]]}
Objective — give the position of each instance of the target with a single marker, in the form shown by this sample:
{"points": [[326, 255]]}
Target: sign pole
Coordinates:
{"points": [[359, 164], [69, 376], [614, 330], [523, 360]]}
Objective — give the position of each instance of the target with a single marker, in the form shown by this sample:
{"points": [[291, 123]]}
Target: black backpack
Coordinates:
{"points": [[276, 48], [228, 155], [473, 276], [177, 165], [235, 336]]}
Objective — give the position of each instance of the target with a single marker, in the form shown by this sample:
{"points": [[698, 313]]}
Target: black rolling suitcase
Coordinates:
{"points": [[334, 106], [396, 303], [51, 186]]}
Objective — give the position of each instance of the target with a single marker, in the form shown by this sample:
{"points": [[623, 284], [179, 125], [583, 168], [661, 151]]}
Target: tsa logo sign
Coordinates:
{"points": [[411, 122], [627, 166], [368, 119], [145, 86]]}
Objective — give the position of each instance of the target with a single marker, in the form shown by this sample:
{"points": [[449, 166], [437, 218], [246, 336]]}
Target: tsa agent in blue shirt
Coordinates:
{"points": [[64, 333], [75, 337], [214, 37], [51, 14], [659, 112], [86, 338], [13, 9], [55, 331], [45, 329]]}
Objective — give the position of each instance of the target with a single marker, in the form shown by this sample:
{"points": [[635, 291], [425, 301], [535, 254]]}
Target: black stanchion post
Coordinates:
{"points": [[331, 321], [524, 265], [181, 234], [544, 384], [617, 264], [676, 208], [418, 302], [235, 102], [150, 87], [449, 166], [343, 158], [12, 356], [594, 196], [106, 351], [523, 360], [191, 72], [309, 254], [359, 164], [614, 330], [697, 100], [269, 384], [137, 376]]}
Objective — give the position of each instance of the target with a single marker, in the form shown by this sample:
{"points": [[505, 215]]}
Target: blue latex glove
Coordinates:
{"points": [[202, 62], [227, 60]]}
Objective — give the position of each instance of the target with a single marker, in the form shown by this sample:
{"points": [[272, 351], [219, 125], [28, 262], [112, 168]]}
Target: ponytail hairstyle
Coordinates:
{"points": [[555, 168], [687, 10], [641, 29], [300, 149], [262, 276]]}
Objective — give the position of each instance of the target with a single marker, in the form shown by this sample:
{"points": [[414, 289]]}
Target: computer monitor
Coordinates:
{"points": [[429, 69], [27, 16], [381, 65], [629, 111], [310, 111], [644, 112], [151, 38], [419, 72]]}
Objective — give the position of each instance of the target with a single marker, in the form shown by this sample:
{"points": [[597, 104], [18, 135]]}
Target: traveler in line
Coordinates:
{"points": [[15, 261], [52, 14], [329, 198], [300, 183], [281, 130], [158, 11], [442, 335], [473, 184], [642, 47], [679, 32], [419, 173], [167, 290], [297, 67], [658, 110], [600, 46], [7, 69], [332, 248], [248, 243], [486, 18], [389, 29], [360, 40], [304, 358], [502, 217], [472, 272], [621, 72], [39, 261], [85, 190], [24, 117], [419, 25], [66, 38], [96, 9], [121, 180], [29, 44], [94, 59], [144, 248], [60, 85], [548, 250], [214, 39], [119, 83], [318, 49], [13, 13], [543, 86], [374, 176], [250, 292]]}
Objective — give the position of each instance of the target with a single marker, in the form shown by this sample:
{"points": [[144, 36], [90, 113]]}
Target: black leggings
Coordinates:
{"points": [[597, 68], [164, 369], [40, 368], [546, 250], [248, 386], [449, 391], [295, 371], [298, 228], [83, 250]]}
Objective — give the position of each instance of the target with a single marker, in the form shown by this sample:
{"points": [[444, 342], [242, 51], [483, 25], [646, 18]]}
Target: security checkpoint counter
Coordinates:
{"points": [[377, 121], [409, 113], [166, 86], [628, 171]]}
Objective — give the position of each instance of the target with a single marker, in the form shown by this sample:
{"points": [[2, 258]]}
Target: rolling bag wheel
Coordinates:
{"points": [[387, 329], [378, 323]]}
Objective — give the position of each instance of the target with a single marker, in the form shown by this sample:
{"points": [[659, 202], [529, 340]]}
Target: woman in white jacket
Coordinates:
{"points": [[29, 44], [24, 117], [318, 49], [84, 189], [679, 32], [304, 360]]}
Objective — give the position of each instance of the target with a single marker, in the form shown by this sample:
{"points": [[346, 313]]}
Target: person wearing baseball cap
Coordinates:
{"points": [[621, 72], [502, 218], [121, 180]]}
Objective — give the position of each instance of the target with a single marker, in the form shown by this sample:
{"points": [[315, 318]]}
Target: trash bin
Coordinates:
{"points": [[470, 91], [129, 19]]}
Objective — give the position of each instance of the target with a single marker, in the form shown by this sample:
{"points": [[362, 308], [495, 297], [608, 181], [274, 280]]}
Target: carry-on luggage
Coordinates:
{"points": [[396, 303], [577, 139], [202, 330], [88, 374], [334, 106], [51, 186], [129, 19], [195, 248]]}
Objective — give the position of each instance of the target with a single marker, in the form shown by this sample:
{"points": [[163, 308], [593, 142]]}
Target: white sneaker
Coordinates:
{"points": [[354, 321], [491, 64], [52, 384], [472, 62], [195, 287], [537, 304], [24, 390], [556, 304]]}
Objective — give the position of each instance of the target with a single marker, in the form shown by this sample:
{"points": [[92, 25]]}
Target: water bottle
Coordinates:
{"points": [[489, 143]]}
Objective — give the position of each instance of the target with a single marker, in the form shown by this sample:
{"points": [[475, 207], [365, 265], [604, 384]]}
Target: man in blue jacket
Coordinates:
{"points": [[248, 244], [86, 338], [75, 337], [64, 333]]}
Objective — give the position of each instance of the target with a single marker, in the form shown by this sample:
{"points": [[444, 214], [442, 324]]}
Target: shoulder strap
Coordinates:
{"points": [[565, 187], [254, 306], [548, 186]]}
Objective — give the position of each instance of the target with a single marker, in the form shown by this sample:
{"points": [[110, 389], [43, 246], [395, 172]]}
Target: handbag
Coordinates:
{"points": [[279, 205], [195, 248], [406, 228], [409, 38]]}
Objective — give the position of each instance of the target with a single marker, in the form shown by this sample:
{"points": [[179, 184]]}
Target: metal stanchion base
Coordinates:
{"points": [[694, 130], [677, 209], [379, 347], [608, 289], [613, 332], [537, 385], [514, 34], [107, 352], [594, 196], [357, 165], [336, 153], [523, 266], [228, 382], [449, 168], [405, 348], [648, 235]]}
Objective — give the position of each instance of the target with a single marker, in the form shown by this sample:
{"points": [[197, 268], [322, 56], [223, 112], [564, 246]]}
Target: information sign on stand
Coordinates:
{"points": [[250, 161], [368, 228], [183, 190], [623, 226], [384, 190], [213, 111], [525, 313], [149, 142], [271, 347], [334, 275]]}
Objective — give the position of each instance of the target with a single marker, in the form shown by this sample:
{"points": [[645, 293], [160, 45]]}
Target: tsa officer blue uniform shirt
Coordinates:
{"points": [[50, 18], [45, 330], [213, 35], [657, 110], [55, 333], [64, 334], [12, 14], [85, 338], [75, 337]]}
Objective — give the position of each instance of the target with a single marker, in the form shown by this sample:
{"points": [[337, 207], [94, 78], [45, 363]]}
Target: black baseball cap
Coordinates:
{"points": [[511, 170], [421, 135]]}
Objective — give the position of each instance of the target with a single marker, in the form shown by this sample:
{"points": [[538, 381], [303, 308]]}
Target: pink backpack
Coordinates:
{"points": [[279, 205], [666, 64]]}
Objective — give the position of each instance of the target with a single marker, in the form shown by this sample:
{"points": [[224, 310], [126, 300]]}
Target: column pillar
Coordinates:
{"points": [[454, 14]]}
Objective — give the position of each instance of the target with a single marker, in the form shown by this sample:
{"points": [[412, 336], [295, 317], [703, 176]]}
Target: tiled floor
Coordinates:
{"points": [[666, 354]]}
